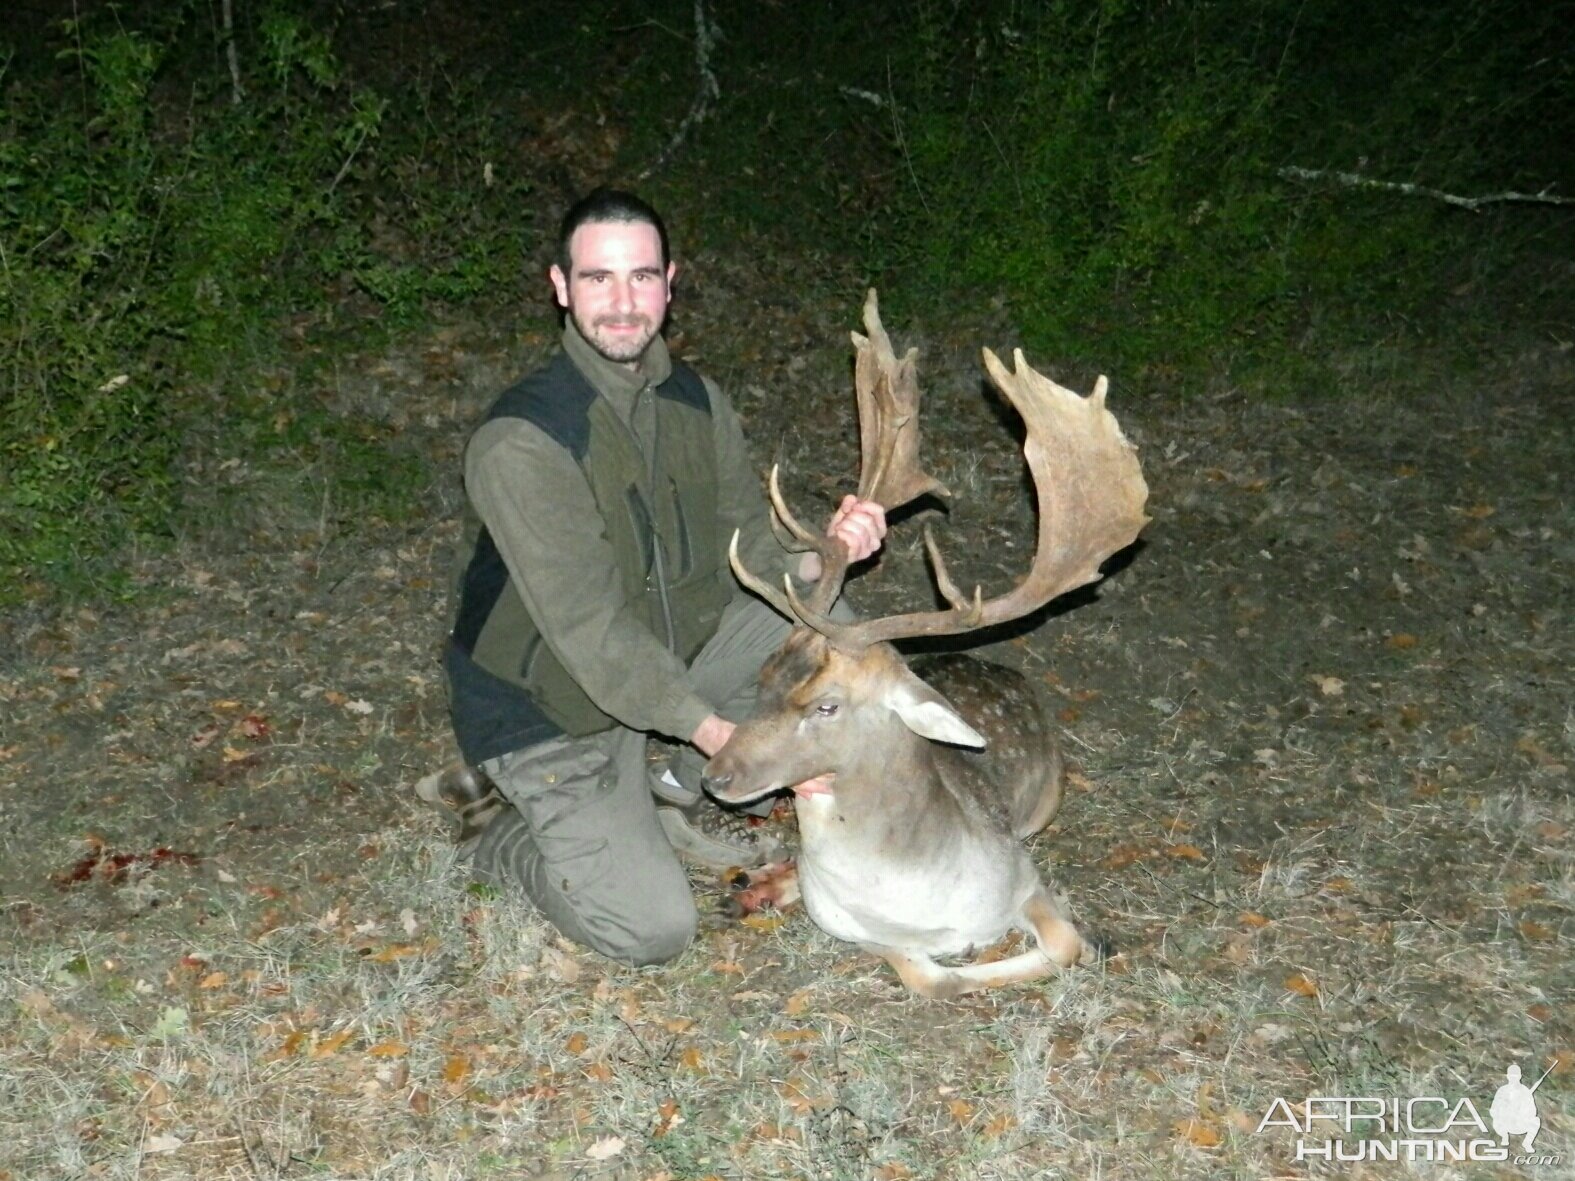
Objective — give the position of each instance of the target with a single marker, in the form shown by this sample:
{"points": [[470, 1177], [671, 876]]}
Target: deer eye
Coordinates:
{"points": [[827, 709]]}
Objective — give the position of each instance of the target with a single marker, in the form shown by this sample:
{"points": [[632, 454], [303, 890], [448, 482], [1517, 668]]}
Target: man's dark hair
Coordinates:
{"points": [[602, 205]]}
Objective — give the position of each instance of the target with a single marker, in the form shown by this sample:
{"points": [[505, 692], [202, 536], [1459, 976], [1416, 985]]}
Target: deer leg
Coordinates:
{"points": [[1059, 947]]}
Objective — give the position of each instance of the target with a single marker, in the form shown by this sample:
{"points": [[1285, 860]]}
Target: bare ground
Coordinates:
{"points": [[1323, 719]]}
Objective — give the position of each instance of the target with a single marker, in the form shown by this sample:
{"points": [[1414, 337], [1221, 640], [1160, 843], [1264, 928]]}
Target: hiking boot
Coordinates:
{"points": [[717, 837], [466, 792]]}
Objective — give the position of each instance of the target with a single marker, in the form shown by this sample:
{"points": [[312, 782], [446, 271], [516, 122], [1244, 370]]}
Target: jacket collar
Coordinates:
{"points": [[617, 382]]}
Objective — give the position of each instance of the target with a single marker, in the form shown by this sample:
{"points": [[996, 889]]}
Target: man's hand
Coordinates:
{"points": [[858, 524], [711, 735]]}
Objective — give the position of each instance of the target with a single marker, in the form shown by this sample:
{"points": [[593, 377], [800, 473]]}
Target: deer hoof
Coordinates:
{"points": [[1097, 950]]}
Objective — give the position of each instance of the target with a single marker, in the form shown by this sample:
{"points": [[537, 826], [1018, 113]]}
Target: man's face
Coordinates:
{"points": [[617, 294]]}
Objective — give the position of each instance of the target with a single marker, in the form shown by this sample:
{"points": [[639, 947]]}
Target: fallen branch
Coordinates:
{"points": [[708, 92], [1355, 181]]}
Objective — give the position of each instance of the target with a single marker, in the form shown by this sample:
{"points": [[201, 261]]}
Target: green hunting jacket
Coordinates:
{"points": [[550, 520]]}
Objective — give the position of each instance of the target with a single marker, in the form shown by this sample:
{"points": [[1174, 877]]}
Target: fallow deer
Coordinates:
{"points": [[936, 779]]}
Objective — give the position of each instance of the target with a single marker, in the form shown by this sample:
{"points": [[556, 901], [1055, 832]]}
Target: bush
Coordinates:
{"points": [[154, 231], [1113, 169]]}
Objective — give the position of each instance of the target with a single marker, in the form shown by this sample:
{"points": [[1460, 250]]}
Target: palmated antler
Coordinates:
{"points": [[1090, 493], [890, 475]]}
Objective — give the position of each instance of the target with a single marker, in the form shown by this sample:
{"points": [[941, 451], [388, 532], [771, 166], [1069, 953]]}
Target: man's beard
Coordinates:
{"points": [[620, 348]]}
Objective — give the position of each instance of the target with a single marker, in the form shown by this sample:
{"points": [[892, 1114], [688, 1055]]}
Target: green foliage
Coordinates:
{"points": [[153, 230], [1113, 169]]}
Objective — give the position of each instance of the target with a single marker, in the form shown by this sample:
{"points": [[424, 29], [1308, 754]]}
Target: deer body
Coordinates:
{"points": [[915, 851]]}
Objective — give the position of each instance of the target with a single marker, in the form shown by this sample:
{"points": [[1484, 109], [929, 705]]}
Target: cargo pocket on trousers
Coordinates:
{"points": [[557, 794]]}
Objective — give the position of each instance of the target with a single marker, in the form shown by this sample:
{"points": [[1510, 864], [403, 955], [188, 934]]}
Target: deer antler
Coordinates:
{"points": [[890, 475], [1090, 492]]}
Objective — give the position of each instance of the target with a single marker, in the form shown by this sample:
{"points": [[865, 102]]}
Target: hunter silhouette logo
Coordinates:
{"points": [[1514, 1110], [1443, 1128]]}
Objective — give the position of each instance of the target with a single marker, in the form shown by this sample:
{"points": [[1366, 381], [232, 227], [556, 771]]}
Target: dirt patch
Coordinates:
{"points": [[1322, 715]]}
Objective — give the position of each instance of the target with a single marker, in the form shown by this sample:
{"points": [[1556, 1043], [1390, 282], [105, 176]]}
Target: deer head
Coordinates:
{"points": [[837, 696]]}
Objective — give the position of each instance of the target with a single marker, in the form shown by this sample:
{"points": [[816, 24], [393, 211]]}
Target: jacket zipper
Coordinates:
{"points": [[658, 571]]}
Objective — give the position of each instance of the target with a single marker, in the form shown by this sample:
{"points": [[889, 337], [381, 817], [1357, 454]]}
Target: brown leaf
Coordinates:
{"points": [[1401, 641], [456, 1070], [1197, 1132], [1251, 918], [599, 1072], [388, 1050], [1000, 1125], [214, 980], [332, 1044], [1535, 931], [392, 952], [796, 1004], [1121, 856], [1301, 985], [763, 922], [962, 1111], [793, 1035], [668, 1118], [692, 1059], [287, 1048], [1188, 852], [420, 1102], [577, 1043], [1479, 512]]}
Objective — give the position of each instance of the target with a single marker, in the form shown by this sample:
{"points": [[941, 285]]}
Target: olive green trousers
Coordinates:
{"points": [[583, 841]]}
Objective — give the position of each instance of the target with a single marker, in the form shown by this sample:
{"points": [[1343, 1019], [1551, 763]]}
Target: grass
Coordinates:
{"points": [[1315, 890]]}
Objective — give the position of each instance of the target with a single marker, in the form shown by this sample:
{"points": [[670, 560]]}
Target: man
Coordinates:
{"points": [[597, 606]]}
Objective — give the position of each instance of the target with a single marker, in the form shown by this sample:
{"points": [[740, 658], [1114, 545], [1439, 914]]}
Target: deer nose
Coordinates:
{"points": [[715, 784]]}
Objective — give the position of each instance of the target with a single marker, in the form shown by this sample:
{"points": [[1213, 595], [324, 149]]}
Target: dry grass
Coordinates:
{"points": [[1324, 728]]}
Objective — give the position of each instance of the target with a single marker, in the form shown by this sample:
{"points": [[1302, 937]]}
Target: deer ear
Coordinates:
{"points": [[929, 715]]}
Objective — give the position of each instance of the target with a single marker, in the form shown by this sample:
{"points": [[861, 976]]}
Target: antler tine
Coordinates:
{"points": [[782, 603], [1090, 492], [784, 516]]}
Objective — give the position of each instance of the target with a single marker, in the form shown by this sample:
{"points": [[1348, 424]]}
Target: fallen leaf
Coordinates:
{"points": [[1401, 641], [560, 965], [162, 1143], [763, 922], [1535, 931], [962, 1111], [214, 980], [1251, 918], [1000, 1125], [456, 1070], [255, 726], [793, 1035], [606, 1148], [1187, 852], [392, 952], [388, 1050], [1301, 985], [1121, 856], [1479, 512], [668, 1118], [796, 1004], [1197, 1132], [331, 1045], [1328, 686], [577, 1043], [692, 1059]]}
